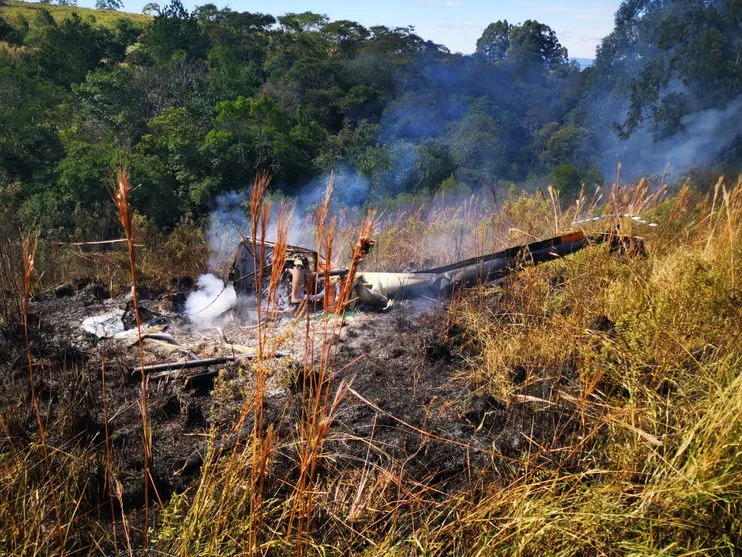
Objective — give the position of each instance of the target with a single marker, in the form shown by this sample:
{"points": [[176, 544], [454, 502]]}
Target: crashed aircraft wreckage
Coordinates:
{"points": [[302, 282], [300, 276]]}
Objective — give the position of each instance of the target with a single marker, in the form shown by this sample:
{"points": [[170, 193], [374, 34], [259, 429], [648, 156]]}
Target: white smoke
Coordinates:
{"points": [[206, 306], [705, 134], [227, 223]]}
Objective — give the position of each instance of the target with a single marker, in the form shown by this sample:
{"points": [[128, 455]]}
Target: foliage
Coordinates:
{"points": [[669, 70], [16, 12], [195, 102], [495, 41], [633, 357], [109, 4], [689, 66]]}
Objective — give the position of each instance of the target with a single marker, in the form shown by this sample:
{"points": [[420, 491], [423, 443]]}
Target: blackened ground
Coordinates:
{"points": [[407, 408]]}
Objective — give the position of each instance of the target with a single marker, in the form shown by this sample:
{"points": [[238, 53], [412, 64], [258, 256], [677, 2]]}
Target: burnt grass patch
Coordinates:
{"points": [[408, 409]]}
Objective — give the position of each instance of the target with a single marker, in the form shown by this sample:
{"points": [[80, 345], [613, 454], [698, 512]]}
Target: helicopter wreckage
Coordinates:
{"points": [[305, 278]]}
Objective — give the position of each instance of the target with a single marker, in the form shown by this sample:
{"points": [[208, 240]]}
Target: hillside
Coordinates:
{"points": [[201, 100], [590, 405], [283, 285], [12, 11]]}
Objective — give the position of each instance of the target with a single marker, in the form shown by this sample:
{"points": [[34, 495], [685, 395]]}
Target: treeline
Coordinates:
{"points": [[194, 102]]}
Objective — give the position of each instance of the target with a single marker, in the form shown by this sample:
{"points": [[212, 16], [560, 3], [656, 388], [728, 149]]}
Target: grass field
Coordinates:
{"points": [[13, 11], [624, 369]]}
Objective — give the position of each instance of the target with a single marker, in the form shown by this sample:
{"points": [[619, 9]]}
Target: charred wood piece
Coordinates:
{"points": [[177, 366]]}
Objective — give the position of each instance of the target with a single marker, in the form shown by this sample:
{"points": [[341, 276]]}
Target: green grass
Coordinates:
{"points": [[13, 11]]}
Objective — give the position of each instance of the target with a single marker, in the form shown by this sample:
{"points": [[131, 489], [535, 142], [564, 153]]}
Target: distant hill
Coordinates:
{"points": [[12, 11], [584, 62]]}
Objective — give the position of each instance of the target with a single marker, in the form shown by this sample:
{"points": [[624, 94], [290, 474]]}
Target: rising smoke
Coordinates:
{"points": [[460, 116], [704, 136], [227, 222], [205, 307]]}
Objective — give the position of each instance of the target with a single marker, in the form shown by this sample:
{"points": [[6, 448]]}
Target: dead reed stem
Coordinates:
{"points": [[29, 258], [315, 386], [278, 260], [318, 412], [554, 196], [360, 250], [261, 440], [120, 195]]}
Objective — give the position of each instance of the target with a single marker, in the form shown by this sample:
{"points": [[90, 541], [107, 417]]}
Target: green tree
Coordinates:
{"points": [[108, 4], [303, 22], [85, 172], [568, 180], [672, 58], [563, 144], [530, 44], [480, 146], [346, 36], [247, 135], [535, 43], [151, 8], [174, 174], [9, 33], [67, 51], [29, 143], [175, 33], [495, 40], [113, 104]]}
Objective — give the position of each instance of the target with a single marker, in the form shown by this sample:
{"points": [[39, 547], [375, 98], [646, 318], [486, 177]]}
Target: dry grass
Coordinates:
{"points": [[120, 195], [636, 359], [162, 258], [650, 461]]}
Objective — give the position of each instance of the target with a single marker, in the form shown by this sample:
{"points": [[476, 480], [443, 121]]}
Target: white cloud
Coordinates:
{"points": [[460, 25]]}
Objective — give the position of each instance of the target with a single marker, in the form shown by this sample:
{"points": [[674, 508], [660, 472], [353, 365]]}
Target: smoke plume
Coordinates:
{"points": [[206, 305], [226, 224], [704, 137]]}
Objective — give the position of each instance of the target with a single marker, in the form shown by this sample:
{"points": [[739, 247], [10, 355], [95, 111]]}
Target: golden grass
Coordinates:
{"points": [[120, 195], [650, 463], [655, 467]]}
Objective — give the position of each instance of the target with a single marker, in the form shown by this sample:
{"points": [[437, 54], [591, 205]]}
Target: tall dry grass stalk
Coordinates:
{"points": [[554, 196], [317, 377], [120, 194], [325, 238], [313, 386], [29, 247], [634, 200], [278, 260], [262, 438], [659, 397]]}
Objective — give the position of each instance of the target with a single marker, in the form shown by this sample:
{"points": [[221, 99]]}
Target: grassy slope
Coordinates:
{"points": [[637, 358], [12, 11]]}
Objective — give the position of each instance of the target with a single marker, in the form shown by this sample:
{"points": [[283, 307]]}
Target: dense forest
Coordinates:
{"points": [[193, 103]]}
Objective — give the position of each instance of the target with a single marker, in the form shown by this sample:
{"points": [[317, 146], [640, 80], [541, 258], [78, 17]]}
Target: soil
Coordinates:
{"points": [[406, 368]]}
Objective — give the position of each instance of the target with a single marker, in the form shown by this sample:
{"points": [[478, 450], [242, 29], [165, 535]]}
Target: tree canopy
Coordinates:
{"points": [[194, 102]]}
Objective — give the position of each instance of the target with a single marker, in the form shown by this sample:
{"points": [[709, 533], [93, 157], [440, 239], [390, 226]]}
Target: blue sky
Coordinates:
{"points": [[580, 24]]}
